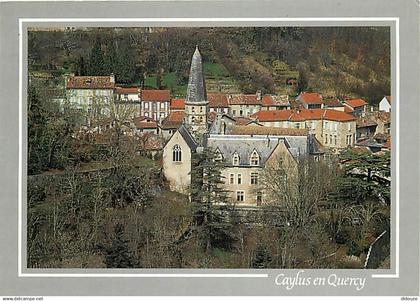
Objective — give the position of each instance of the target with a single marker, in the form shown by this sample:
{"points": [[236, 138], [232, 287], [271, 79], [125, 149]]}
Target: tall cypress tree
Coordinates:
{"points": [[110, 59], [96, 60], [125, 70], [215, 230]]}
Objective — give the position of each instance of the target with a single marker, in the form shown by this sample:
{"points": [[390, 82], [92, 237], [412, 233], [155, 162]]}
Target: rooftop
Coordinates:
{"points": [[217, 100], [155, 95], [264, 130], [356, 103], [244, 99], [302, 115], [90, 82], [310, 98], [178, 104]]}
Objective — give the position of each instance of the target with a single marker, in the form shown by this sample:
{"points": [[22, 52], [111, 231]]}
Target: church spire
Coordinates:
{"points": [[196, 91], [196, 104]]}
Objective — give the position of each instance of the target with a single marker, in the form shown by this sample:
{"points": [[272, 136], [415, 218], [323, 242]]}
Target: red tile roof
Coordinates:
{"points": [[332, 103], [348, 110], [178, 104], [155, 95], [145, 123], [302, 115], [242, 120], [244, 99], [90, 82], [310, 98], [275, 100], [127, 90], [217, 100], [173, 120], [356, 103]]}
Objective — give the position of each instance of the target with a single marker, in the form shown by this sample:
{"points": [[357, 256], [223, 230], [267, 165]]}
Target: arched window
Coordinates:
{"points": [[176, 153], [235, 160], [255, 159]]}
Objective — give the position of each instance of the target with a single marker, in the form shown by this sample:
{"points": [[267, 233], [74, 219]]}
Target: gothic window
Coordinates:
{"points": [[235, 160], [176, 153], [255, 159]]}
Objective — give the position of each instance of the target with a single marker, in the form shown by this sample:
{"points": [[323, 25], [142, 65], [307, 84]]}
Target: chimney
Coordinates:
{"points": [[112, 78]]}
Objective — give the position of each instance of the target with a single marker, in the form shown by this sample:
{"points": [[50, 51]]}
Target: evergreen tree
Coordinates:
{"points": [[96, 60], [118, 255], [125, 70], [81, 67], [261, 258], [215, 229], [110, 59]]}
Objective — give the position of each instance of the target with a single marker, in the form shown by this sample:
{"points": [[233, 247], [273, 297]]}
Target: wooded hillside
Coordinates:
{"points": [[334, 61]]}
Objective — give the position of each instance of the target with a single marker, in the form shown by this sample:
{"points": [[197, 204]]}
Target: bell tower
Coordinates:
{"points": [[196, 104]]}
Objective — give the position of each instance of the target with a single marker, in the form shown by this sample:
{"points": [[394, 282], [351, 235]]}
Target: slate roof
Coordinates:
{"points": [[244, 146], [90, 82], [189, 139], [265, 130], [196, 90], [155, 95]]}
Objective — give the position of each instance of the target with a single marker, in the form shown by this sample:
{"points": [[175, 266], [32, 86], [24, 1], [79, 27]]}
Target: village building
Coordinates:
{"points": [[244, 152], [334, 129], [129, 98], [365, 127], [275, 102], [171, 123], [357, 106], [333, 104], [92, 94], [155, 104], [244, 105], [385, 104], [310, 100], [144, 124], [218, 102]]}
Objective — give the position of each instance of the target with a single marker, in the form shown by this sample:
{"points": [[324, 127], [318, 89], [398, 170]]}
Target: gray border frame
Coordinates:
{"points": [[407, 283]]}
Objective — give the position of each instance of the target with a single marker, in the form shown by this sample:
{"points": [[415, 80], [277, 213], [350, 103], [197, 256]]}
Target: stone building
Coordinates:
{"points": [[244, 155], [155, 104], [244, 105], [334, 129], [92, 94]]}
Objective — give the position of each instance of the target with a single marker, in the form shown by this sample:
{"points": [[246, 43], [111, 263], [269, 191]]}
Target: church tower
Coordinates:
{"points": [[196, 104]]}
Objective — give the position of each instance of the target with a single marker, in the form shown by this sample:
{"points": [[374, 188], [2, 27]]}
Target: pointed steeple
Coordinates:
{"points": [[196, 91]]}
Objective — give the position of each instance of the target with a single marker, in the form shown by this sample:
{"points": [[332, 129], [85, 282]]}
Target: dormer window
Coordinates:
{"points": [[218, 156], [255, 159], [235, 159]]}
